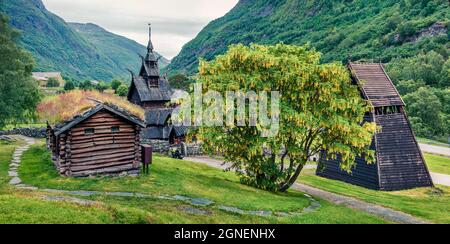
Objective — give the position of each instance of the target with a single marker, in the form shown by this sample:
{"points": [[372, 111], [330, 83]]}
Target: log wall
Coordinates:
{"points": [[104, 151]]}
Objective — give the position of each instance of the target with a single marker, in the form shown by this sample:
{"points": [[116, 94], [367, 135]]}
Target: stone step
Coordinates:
{"points": [[15, 181]]}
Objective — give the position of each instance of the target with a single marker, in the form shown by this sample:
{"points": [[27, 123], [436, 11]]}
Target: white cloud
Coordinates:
{"points": [[175, 22]]}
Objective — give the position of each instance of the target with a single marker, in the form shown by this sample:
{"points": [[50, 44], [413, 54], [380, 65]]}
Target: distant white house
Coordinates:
{"points": [[42, 77]]}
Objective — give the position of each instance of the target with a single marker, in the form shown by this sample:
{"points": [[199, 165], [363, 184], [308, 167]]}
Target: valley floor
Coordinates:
{"points": [[171, 191], [179, 191]]}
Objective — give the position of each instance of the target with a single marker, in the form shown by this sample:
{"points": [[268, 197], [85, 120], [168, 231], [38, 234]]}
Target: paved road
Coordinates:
{"points": [[386, 213], [440, 179], [444, 151]]}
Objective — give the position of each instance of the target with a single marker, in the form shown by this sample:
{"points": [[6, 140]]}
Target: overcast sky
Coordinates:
{"points": [[175, 22]]}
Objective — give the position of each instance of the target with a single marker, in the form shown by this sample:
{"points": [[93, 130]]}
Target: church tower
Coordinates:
{"points": [[149, 89]]}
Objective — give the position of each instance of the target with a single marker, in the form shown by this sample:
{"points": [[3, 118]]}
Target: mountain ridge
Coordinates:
{"points": [[57, 46], [365, 29]]}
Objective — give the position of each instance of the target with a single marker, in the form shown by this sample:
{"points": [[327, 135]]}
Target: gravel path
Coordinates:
{"points": [[443, 151], [386, 213], [440, 179]]}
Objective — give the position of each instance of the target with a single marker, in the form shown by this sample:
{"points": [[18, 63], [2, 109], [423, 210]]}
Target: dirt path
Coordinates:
{"points": [[443, 151], [380, 211]]}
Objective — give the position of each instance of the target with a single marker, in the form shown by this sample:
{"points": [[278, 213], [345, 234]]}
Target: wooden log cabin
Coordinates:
{"points": [[399, 163], [103, 140]]}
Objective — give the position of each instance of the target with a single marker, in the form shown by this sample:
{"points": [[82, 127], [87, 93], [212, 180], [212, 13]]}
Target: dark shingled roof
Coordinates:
{"points": [[152, 94], [180, 131], [157, 116], [163, 132], [149, 71], [67, 125], [376, 85]]}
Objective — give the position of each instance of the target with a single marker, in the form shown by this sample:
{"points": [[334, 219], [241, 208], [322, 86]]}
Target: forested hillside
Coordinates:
{"points": [[411, 35], [88, 52], [365, 29]]}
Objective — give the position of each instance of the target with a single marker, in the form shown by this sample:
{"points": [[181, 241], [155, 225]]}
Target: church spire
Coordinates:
{"points": [[151, 57], [150, 44]]}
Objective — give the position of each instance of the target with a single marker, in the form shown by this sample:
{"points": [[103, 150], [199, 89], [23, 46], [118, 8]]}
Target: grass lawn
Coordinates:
{"points": [[169, 176], [426, 203], [438, 164], [28, 207]]}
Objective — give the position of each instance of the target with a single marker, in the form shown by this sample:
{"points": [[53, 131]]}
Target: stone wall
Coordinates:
{"points": [[163, 147], [159, 146], [30, 132]]}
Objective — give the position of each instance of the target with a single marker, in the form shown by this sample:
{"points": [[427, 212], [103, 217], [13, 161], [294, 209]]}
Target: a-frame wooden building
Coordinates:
{"points": [[400, 164]]}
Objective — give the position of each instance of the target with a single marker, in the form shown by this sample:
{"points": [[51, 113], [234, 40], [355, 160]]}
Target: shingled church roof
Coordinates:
{"points": [[150, 94], [145, 82]]}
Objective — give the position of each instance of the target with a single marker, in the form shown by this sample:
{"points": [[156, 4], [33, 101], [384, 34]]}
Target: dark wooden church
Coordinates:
{"points": [[149, 89], [152, 91], [400, 164]]}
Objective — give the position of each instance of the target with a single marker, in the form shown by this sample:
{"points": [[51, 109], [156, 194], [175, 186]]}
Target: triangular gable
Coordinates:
{"points": [[91, 112]]}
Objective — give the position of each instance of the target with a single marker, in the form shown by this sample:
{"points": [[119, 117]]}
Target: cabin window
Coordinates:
{"points": [[115, 129], [89, 131]]}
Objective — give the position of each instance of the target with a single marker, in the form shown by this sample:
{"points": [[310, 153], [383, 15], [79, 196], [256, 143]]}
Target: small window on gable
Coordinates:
{"points": [[115, 129], [89, 131]]}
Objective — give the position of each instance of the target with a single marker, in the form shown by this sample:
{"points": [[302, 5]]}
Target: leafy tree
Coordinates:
{"points": [[53, 82], [69, 86], [115, 84], [122, 90], [427, 67], [406, 30], [101, 86], [86, 85], [409, 86], [19, 92], [445, 75], [180, 81], [320, 110], [424, 108]]}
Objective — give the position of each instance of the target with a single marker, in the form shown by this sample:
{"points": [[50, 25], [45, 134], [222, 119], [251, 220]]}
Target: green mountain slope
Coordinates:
{"points": [[56, 46], [119, 49], [378, 30]]}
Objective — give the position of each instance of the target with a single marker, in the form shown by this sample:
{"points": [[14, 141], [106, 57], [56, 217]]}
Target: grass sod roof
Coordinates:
{"points": [[65, 107]]}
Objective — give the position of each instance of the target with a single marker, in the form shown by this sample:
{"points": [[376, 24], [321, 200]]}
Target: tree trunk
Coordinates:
{"points": [[284, 187]]}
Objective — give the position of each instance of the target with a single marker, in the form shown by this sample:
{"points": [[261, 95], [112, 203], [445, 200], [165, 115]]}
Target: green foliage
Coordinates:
{"points": [[69, 86], [406, 30], [19, 92], [77, 50], [424, 109], [53, 82], [115, 84], [86, 85], [122, 90], [377, 30], [424, 82], [427, 67], [102, 86], [320, 109], [180, 81]]}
